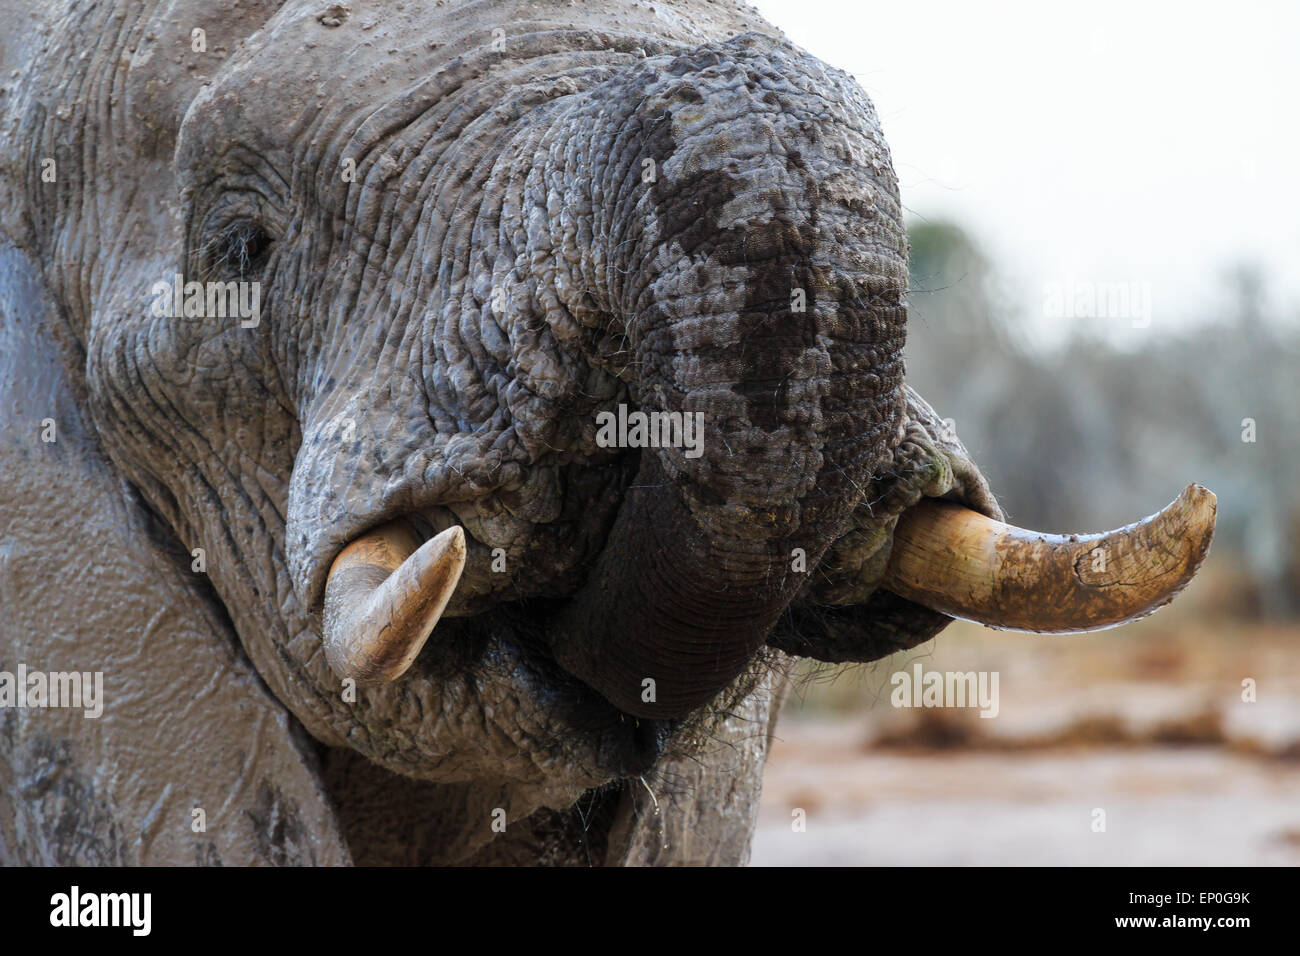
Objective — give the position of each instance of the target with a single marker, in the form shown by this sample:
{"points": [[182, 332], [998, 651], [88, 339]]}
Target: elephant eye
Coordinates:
{"points": [[238, 251]]}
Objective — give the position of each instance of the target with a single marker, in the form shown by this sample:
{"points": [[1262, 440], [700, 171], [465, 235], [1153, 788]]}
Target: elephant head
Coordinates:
{"points": [[473, 234]]}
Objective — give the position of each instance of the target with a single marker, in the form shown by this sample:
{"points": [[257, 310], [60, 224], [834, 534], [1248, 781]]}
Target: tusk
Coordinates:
{"points": [[966, 565], [384, 594]]}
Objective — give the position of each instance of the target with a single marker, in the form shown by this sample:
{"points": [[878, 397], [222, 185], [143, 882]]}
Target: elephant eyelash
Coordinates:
{"points": [[239, 250]]}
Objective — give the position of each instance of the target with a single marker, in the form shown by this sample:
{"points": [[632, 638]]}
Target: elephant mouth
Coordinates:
{"points": [[387, 590]]}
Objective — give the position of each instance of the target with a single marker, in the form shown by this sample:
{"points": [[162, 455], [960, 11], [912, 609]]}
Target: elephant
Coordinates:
{"points": [[314, 317]]}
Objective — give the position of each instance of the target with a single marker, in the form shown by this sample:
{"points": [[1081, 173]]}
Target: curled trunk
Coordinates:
{"points": [[759, 297]]}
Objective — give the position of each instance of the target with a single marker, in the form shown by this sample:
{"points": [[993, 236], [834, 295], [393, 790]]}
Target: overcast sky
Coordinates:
{"points": [[1102, 142]]}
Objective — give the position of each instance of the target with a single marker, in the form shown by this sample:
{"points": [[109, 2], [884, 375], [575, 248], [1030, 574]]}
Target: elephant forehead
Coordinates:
{"points": [[315, 61], [177, 51]]}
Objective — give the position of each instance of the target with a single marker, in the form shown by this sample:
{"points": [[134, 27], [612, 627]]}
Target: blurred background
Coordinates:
{"points": [[1104, 212]]}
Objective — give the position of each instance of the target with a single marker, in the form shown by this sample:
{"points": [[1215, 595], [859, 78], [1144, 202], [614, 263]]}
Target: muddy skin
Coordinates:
{"points": [[475, 227]]}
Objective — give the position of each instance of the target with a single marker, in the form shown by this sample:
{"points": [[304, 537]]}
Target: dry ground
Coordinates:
{"points": [[1145, 722]]}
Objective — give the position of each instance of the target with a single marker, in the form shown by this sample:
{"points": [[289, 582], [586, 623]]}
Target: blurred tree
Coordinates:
{"points": [[1092, 435]]}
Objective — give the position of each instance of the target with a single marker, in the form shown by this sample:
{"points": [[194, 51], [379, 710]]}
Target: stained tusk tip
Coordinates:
{"points": [[967, 565]]}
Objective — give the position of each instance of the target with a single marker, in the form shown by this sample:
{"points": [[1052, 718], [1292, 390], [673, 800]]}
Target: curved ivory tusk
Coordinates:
{"points": [[966, 565], [384, 594]]}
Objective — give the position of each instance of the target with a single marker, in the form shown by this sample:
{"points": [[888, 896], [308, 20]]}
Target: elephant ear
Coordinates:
{"points": [[90, 583]]}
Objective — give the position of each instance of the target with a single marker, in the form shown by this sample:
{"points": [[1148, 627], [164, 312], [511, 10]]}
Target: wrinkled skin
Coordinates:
{"points": [[437, 335]]}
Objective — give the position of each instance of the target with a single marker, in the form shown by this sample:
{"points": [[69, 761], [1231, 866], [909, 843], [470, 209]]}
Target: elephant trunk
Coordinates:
{"points": [[675, 607], [768, 308]]}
